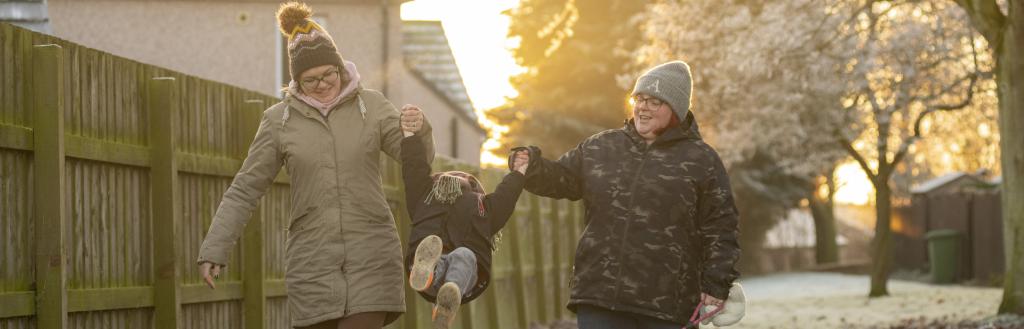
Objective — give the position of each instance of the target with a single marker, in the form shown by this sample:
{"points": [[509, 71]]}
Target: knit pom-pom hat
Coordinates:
{"points": [[309, 45]]}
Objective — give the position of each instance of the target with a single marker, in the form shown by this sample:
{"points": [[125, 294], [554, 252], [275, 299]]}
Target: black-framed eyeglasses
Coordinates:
{"points": [[329, 77], [652, 102]]}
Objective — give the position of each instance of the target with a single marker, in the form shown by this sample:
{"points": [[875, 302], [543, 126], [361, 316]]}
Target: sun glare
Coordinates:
{"points": [[477, 33], [854, 186]]}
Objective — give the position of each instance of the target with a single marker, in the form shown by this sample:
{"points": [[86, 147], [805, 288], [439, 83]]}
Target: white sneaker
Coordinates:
{"points": [[421, 276], [449, 298]]}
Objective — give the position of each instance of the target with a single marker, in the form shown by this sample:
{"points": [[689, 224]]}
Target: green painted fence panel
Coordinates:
{"points": [[17, 264], [108, 233], [145, 163]]}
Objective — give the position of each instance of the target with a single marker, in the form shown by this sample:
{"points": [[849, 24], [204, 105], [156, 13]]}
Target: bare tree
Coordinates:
{"points": [[1002, 24], [801, 79], [766, 93], [913, 59]]}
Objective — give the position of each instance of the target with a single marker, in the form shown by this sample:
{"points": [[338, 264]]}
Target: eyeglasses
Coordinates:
{"points": [[312, 82], [652, 103]]}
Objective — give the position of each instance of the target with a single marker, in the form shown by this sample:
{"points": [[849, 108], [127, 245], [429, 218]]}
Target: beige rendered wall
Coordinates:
{"points": [[228, 41], [441, 117], [471, 141], [403, 89], [236, 42]]}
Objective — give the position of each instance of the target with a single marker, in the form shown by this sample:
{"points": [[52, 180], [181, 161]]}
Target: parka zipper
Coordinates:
{"points": [[337, 183], [625, 229]]}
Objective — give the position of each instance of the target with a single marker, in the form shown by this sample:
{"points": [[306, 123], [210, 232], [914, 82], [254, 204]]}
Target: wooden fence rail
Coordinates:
{"points": [[111, 170]]}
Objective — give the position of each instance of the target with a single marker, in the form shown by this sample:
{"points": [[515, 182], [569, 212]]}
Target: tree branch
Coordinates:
{"points": [[848, 146], [867, 7], [848, 21], [987, 19], [876, 108], [973, 76]]}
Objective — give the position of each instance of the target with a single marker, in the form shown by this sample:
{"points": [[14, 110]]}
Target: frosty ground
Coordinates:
{"points": [[830, 300]]}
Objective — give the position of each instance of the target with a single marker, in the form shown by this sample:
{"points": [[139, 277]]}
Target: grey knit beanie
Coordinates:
{"points": [[669, 82]]}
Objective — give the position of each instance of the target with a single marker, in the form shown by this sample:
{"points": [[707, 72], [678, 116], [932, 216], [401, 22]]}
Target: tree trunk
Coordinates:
{"points": [[1010, 82], [880, 247], [823, 211]]}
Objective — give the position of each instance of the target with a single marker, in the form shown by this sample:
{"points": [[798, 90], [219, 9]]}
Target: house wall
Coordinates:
{"points": [[238, 43], [234, 42], [442, 118]]}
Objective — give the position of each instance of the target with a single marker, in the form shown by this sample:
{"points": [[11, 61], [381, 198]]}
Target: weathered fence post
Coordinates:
{"points": [[162, 105], [558, 228], [48, 135], [518, 275], [539, 244], [490, 298], [253, 252]]}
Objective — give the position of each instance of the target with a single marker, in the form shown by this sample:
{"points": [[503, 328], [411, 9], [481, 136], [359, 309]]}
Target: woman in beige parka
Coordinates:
{"points": [[344, 259]]}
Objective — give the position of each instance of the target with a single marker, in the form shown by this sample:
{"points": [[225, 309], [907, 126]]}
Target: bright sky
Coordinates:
{"points": [[476, 32], [854, 185]]}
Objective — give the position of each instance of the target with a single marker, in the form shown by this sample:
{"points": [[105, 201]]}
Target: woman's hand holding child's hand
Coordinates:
{"points": [[521, 161], [412, 120]]}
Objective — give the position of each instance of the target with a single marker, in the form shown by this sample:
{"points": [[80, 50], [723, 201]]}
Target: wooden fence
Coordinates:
{"points": [[111, 170], [975, 215]]}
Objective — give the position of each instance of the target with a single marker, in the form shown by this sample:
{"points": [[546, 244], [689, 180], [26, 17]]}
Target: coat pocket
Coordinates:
{"points": [[376, 211], [300, 229], [312, 274], [300, 220]]}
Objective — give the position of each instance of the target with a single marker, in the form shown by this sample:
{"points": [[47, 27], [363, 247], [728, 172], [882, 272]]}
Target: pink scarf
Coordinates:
{"points": [[324, 108]]}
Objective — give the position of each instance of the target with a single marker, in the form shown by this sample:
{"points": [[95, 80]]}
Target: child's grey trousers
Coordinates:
{"points": [[458, 266]]}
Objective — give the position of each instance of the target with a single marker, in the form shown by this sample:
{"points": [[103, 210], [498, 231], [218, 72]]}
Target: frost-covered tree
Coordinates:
{"points": [[800, 81], [766, 93], [912, 59]]}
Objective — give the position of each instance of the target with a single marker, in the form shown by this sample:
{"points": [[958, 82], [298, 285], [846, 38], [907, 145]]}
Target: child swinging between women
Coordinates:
{"points": [[455, 226]]}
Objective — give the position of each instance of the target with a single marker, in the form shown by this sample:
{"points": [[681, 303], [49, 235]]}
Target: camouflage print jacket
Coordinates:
{"points": [[660, 222]]}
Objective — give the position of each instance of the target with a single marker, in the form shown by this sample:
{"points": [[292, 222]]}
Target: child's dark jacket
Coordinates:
{"points": [[460, 224]]}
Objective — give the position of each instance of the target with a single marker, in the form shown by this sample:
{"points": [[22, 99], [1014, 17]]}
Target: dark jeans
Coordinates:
{"points": [[593, 317]]}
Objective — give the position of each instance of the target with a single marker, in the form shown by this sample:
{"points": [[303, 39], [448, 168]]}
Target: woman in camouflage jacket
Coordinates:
{"points": [[661, 227]]}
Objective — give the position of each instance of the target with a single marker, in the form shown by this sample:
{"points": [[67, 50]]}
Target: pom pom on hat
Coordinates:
{"points": [[309, 45], [291, 15]]}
